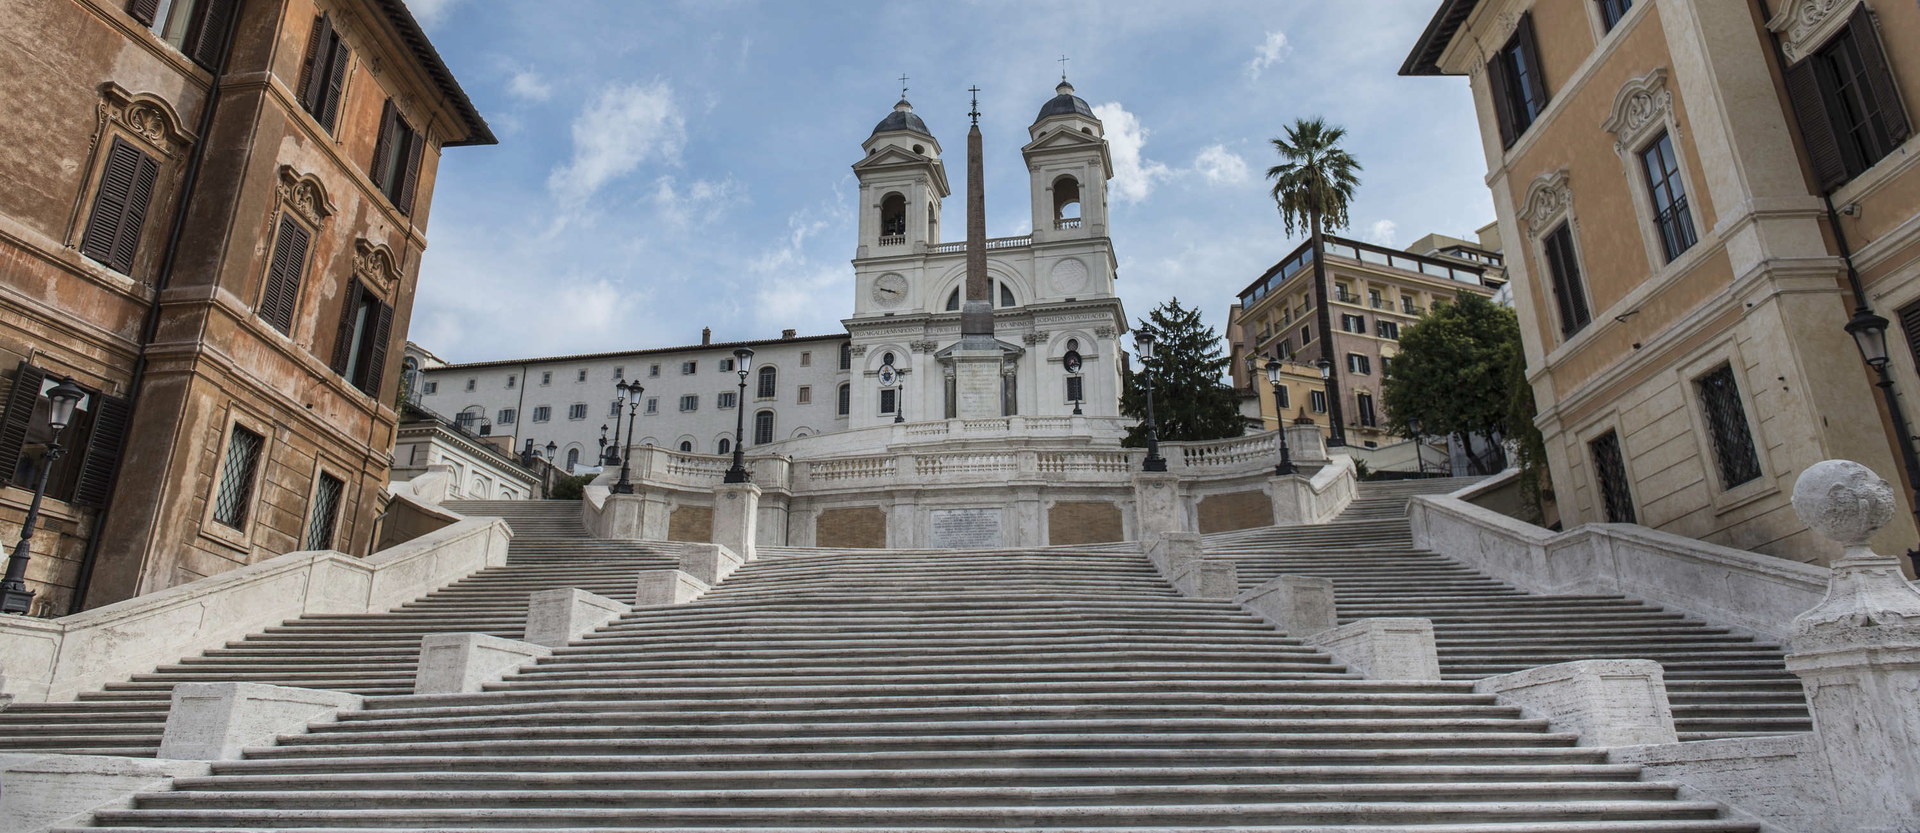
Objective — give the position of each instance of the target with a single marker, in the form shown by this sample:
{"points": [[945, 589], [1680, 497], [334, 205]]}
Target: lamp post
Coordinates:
{"points": [[631, 396], [61, 400], [1419, 452], [737, 473], [1869, 333], [1326, 384], [1286, 465], [604, 451], [1143, 344]]}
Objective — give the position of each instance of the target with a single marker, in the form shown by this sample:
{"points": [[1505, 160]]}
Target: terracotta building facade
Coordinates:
{"points": [[1696, 197], [213, 223]]}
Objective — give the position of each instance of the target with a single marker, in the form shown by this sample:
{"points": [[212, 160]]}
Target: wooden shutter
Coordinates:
{"points": [[27, 380], [313, 72], [143, 10], [410, 175], [120, 206], [373, 372], [343, 342], [383, 149], [1816, 126], [111, 416], [1879, 76], [1530, 54], [207, 32], [336, 84], [282, 293], [1910, 326], [1502, 95]]}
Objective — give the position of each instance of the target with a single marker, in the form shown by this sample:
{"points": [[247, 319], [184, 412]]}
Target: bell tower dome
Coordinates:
{"points": [[1068, 165], [902, 181]]}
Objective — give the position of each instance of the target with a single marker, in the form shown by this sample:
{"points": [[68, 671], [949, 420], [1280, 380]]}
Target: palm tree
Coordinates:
{"points": [[1312, 188]]}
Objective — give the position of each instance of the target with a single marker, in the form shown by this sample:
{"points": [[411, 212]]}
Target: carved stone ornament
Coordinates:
{"points": [[1036, 337], [1847, 503], [1548, 200], [857, 349], [1103, 332], [305, 194], [1639, 109], [375, 265], [1804, 25], [924, 346], [146, 116]]}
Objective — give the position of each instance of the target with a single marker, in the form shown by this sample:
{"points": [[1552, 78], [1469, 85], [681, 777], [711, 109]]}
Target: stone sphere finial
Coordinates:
{"points": [[1843, 501]]}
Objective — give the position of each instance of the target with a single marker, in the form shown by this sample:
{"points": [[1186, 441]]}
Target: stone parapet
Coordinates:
{"points": [[215, 721], [460, 663], [1315, 499], [709, 563], [1609, 702], [736, 518], [1383, 648], [557, 617], [48, 791], [668, 587], [1297, 605]]}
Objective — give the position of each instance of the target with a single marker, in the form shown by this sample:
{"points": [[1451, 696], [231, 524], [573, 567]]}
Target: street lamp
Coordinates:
{"points": [[1869, 333], [1419, 453], [737, 473], [1326, 385], [629, 394], [604, 452], [61, 400], [1286, 455], [1143, 344]]}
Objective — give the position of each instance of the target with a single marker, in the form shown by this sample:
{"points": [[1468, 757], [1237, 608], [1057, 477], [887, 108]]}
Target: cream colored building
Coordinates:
{"points": [[1660, 173]]}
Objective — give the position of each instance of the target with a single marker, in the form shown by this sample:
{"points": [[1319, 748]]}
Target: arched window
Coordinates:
{"points": [[726, 446], [1006, 295], [846, 356], [763, 428], [893, 219], [573, 457], [1073, 345], [953, 301], [846, 399], [768, 379], [1066, 202], [686, 446]]}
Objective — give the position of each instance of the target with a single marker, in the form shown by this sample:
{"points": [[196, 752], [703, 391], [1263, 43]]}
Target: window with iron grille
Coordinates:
{"points": [[1727, 429], [542, 413], [768, 378], [578, 410], [321, 517], [889, 400], [725, 400], [690, 402], [1569, 294], [234, 498], [1610, 476], [1670, 213], [1318, 401], [1612, 10], [763, 428], [1076, 389]]}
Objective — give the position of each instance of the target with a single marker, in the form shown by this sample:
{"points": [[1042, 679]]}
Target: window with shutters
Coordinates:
{"points": [[763, 428], [511, 380], [280, 297], [360, 348], [195, 27], [577, 410], [689, 402], [507, 416], [120, 204], [1612, 10], [803, 395], [580, 375], [766, 382], [806, 358], [653, 370], [233, 499], [1516, 84], [546, 377], [1367, 417], [725, 399], [431, 388], [1317, 400], [471, 383], [1285, 395], [1610, 477], [1389, 329], [1847, 103], [1353, 323], [323, 76], [653, 404], [1727, 430], [613, 408], [689, 368], [1357, 363], [619, 373], [1671, 217], [1569, 292], [396, 159], [323, 512], [542, 413], [92, 441], [846, 400]]}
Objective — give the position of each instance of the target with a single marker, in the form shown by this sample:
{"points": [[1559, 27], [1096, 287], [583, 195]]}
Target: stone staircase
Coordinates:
{"points": [[956, 692], [371, 654], [1721, 684]]}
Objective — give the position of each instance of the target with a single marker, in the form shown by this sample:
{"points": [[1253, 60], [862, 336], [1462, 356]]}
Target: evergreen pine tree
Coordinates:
{"points": [[1190, 402]]}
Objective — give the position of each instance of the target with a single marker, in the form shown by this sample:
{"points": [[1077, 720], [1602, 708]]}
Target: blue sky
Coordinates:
{"points": [[668, 166]]}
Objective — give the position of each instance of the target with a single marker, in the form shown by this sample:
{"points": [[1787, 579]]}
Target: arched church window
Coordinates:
{"points": [[573, 458], [953, 301], [1006, 295], [1066, 200], [686, 446], [726, 446], [768, 379], [893, 218]]}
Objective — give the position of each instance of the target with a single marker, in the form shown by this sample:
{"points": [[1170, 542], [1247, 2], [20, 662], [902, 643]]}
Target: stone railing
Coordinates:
{"points": [[55, 659], [992, 243], [1757, 593], [1251, 450]]}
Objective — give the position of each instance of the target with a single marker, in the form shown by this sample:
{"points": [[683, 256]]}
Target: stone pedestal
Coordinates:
{"points": [[458, 663], [1297, 605], [1610, 702], [214, 721], [976, 382], [709, 563], [1306, 445], [1158, 508], [1384, 648], [557, 617], [1178, 557], [736, 518], [668, 587]]}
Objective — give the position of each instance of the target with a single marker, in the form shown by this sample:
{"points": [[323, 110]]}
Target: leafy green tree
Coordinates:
{"points": [[1312, 189], [1530, 449], [1455, 373], [1190, 402]]}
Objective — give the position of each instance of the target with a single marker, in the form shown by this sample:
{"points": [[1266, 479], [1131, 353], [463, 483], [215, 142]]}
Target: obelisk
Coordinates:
{"points": [[977, 359]]}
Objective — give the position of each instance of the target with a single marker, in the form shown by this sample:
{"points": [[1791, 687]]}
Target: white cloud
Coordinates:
{"points": [[1220, 166], [1133, 174], [529, 85], [698, 203], [430, 12], [1382, 232], [627, 125], [1271, 51]]}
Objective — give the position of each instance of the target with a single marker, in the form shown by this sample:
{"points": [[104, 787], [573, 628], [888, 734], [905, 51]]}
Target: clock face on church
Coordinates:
{"points": [[889, 290]]}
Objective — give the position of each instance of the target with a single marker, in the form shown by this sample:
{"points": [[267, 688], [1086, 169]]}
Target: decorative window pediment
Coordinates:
{"points": [[375, 266], [144, 116], [305, 194], [1642, 108], [1549, 199], [1803, 25]]}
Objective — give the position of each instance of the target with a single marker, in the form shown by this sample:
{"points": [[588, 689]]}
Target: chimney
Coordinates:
{"points": [[706, 335], [789, 333]]}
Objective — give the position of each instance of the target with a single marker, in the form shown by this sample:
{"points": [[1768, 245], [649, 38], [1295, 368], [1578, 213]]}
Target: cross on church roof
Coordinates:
{"points": [[1063, 67], [975, 113], [903, 85]]}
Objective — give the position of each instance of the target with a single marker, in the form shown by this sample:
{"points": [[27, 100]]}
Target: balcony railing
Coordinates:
{"points": [[1070, 222], [1340, 247], [992, 243], [1379, 303], [893, 240]]}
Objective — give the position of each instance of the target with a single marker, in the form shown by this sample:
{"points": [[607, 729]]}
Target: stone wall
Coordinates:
{"points": [[1085, 522], [858, 526], [1235, 510]]}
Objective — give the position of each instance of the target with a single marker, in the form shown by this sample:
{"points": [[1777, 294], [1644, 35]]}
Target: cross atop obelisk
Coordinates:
{"points": [[976, 315]]}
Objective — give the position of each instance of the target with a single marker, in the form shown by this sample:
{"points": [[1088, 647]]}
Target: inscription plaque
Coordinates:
{"points": [[965, 529]]}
